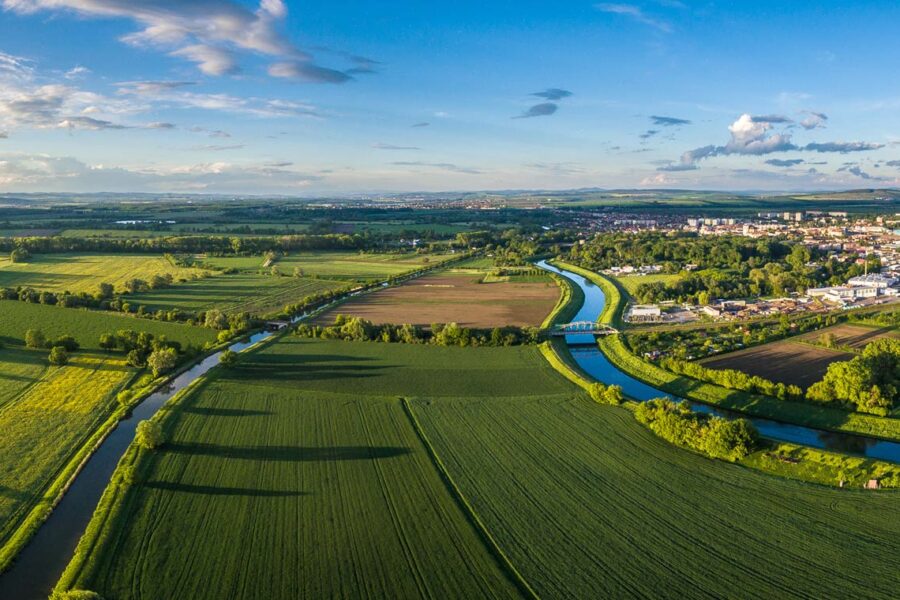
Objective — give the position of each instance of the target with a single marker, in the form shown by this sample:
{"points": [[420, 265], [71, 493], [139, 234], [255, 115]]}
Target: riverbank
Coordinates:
{"points": [[772, 457], [796, 413]]}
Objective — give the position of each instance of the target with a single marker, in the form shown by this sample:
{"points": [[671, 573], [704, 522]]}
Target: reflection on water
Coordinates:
{"points": [[593, 362]]}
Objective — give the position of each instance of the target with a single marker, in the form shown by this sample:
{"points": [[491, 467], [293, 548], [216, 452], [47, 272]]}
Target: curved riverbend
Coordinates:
{"points": [[593, 362]]}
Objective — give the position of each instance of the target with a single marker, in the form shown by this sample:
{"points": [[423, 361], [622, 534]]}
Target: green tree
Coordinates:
{"points": [[108, 341], [19, 255], [162, 361], [149, 435], [228, 358], [58, 356], [35, 338]]}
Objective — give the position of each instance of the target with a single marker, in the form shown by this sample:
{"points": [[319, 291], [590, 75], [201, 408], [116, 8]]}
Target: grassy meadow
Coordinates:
{"points": [[46, 419], [280, 479], [585, 502], [86, 326], [632, 282], [237, 292], [85, 272], [356, 266]]}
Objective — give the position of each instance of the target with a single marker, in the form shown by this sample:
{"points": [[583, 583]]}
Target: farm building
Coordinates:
{"points": [[644, 313]]}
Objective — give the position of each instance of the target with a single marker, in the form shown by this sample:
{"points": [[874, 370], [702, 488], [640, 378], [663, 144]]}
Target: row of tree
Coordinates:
{"points": [[734, 380], [439, 334], [713, 436]]}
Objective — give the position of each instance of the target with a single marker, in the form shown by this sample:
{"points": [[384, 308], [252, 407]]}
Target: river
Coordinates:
{"points": [[589, 357]]}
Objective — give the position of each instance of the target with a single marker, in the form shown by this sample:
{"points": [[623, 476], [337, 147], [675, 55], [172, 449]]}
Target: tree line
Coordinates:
{"points": [[710, 435], [438, 334]]}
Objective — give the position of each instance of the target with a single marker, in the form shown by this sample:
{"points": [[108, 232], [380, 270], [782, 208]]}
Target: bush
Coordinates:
{"points": [[58, 356], [162, 361], [35, 338], [713, 436], [228, 358], [149, 435], [67, 342]]}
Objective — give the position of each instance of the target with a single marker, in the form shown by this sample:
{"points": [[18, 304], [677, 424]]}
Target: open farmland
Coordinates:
{"points": [[587, 503], [784, 361], [236, 292], [46, 421], [456, 297], [856, 337], [19, 369], [281, 479], [356, 266], [85, 272], [86, 326]]}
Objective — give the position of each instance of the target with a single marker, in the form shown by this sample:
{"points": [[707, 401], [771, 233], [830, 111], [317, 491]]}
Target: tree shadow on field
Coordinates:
{"points": [[215, 490], [289, 453]]}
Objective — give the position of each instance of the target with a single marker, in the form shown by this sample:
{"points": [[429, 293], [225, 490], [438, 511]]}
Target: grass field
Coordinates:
{"points": [[46, 421], [356, 265], [784, 361], [19, 369], [456, 297], [85, 272], [631, 282], [279, 480], [86, 326], [282, 479], [245, 291], [587, 503]]}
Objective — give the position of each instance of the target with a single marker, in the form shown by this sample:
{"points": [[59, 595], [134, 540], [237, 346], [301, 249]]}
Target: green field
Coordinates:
{"points": [[86, 326], [46, 420], [239, 263], [587, 503], [281, 480], [84, 272], [237, 292], [632, 282], [356, 265]]}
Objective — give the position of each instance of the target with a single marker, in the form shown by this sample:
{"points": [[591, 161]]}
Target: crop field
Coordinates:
{"points": [[455, 297], [356, 265], [238, 292], [783, 361], [86, 326], [280, 479], [856, 337], [19, 369], [238, 263], [84, 272], [45, 422], [587, 503]]}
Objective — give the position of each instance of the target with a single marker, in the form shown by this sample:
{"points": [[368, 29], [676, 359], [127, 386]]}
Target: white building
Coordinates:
{"points": [[876, 280], [643, 311]]}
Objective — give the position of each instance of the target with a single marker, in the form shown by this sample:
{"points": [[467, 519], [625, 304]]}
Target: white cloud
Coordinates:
{"points": [[750, 135], [206, 32], [636, 13], [814, 120]]}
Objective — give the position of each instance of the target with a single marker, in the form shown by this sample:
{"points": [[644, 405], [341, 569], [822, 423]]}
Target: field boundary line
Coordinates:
{"points": [[494, 548]]}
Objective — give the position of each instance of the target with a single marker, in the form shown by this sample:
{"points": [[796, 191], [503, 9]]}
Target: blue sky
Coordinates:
{"points": [[308, 97]]}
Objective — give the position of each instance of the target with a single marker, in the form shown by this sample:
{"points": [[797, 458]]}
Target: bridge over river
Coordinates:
{"points": [[589, 327]]}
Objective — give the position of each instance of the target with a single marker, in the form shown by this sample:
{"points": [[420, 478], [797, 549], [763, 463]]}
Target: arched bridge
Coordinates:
{"points": [[591, 327]]}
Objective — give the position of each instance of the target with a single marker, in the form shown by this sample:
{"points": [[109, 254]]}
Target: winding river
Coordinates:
{"points": [[593, 362], [42, 561]]}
